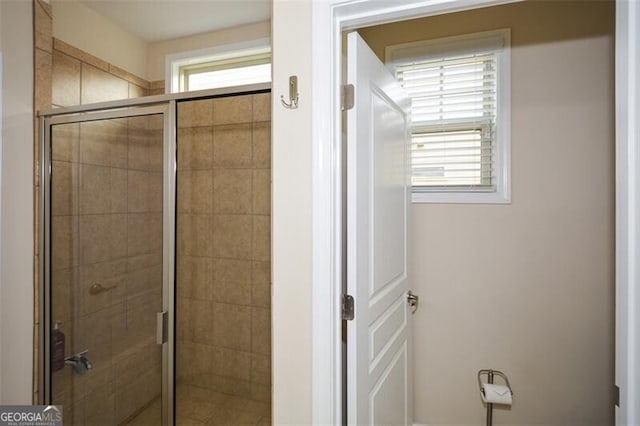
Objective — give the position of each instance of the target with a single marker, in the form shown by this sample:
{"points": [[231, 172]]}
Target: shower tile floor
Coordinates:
{"points": [[198, 406]]}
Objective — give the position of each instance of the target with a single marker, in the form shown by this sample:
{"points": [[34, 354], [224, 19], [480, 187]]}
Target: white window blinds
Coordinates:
{"points": [[460, 92], [454, 112]]}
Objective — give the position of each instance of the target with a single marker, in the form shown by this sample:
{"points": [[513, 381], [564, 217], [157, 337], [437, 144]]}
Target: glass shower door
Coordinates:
{"points": [[106, 277]]}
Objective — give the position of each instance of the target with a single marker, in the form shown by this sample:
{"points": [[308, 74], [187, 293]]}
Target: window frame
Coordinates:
{"points": [[232, 52], [498, 41], [213, 65]]}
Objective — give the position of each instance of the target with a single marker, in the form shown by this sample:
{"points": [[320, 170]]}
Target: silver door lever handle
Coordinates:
{"points": [[99, 288], [413, 300]]}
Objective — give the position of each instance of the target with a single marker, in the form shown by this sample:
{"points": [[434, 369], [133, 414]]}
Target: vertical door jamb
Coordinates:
{"points": [[44, 302]]}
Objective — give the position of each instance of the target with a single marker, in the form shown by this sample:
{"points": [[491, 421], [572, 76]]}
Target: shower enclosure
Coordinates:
{"points": [[156, 269]]}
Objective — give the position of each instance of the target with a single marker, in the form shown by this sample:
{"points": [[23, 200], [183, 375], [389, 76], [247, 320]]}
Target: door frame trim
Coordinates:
{"points": [[329, 19], [627, 93], [157, 99]]}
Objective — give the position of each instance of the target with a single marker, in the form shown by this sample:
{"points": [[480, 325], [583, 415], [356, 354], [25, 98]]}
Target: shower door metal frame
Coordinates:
{"points": [[166, 104], [94, 113]]}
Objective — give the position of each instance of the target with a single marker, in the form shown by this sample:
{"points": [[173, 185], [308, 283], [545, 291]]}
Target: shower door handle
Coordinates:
{"points": [[162, 322]]}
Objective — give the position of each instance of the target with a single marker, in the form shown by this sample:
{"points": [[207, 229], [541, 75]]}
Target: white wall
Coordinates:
{"points": [[16, 230], [527, 288], [81, 27], [158, 51], [291, 203]]}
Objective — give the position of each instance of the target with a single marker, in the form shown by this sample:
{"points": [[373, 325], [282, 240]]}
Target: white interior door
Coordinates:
{"points": [[378, 339]]}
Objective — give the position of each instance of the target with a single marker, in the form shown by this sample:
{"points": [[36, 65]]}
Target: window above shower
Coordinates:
{"points": [[230, 65]]}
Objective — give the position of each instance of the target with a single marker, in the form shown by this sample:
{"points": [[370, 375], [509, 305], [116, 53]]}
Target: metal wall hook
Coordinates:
{"points": [[293, 94]]}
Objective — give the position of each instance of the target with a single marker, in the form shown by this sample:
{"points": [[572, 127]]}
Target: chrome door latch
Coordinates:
{"points": [[413, 300]]}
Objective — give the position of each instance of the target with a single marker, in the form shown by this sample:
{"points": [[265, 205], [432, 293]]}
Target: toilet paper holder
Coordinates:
{"points": [[490, 374]]}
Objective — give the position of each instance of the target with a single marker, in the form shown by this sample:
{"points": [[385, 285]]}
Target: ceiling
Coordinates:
{"points": [[158, 20]]}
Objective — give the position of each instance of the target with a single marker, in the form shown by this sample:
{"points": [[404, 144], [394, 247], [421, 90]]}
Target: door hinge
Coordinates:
{"points": [[347, 97], [616, 396], [348, 309]]}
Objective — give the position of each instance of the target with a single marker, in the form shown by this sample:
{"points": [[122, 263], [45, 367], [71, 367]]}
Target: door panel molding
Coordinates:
{"points": [[391, 402]]}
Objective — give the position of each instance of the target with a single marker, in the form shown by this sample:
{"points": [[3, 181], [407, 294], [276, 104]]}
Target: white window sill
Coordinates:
{"points": [[420, 197]]}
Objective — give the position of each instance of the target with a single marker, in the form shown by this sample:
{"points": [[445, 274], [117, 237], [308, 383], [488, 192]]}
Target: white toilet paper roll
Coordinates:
{"points": [[496, 394]]}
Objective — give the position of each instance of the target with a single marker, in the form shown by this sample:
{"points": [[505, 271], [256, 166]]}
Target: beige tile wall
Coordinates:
{"points": [[156, 88], [223, 260], [80, 78]]}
